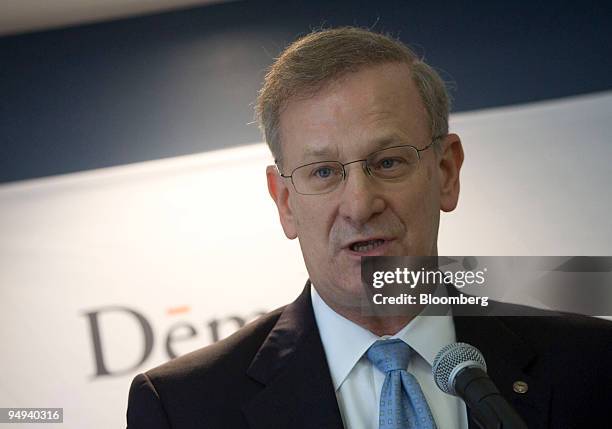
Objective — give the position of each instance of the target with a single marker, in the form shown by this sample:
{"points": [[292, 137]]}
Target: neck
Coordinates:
{"points": [[385, 325], [377, 324]]}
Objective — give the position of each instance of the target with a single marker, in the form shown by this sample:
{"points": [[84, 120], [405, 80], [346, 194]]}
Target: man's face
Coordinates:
{"points": [[365, 111]]}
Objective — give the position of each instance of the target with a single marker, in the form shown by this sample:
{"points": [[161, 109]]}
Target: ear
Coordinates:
{"points": [[450, 161], [279, 191]]}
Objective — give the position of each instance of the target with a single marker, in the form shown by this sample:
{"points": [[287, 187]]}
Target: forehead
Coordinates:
{"points": [[361, 111]]}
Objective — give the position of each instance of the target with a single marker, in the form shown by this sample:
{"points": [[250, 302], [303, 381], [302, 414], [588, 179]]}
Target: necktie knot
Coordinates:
{"points": [[389, 355], [402, 402]]}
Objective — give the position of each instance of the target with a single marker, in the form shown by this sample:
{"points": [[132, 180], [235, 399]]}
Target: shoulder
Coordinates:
{"points": [[558, 341], [563, 332], [223, 358], [552, 329], [573, 351], [196, 386], [549, 326]]}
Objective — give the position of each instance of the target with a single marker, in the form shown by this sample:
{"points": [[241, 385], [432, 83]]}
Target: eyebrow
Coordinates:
{"points": [[382, 142], [388, 140]]}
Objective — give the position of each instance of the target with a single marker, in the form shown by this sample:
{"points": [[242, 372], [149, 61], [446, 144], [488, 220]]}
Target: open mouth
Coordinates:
{"points": [[366, 246]]}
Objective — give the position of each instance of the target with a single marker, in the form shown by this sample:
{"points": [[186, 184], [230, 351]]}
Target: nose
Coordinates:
{"points": [[361, 197]]}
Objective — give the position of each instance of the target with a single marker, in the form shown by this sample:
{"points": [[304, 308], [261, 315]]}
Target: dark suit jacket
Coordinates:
{"points": [[273, 374]]}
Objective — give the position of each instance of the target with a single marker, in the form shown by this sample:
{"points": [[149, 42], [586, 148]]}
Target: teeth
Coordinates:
{"points": [[365, 246]]}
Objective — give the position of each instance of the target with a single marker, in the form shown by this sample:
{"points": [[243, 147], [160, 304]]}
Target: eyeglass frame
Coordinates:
{"points": [[366, 168]]}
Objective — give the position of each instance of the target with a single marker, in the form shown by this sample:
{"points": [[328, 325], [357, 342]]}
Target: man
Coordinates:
{"points": [[358, 126]]}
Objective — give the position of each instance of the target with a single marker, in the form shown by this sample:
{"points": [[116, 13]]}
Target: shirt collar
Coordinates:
{"points": [[428, 334], [345, 342]]}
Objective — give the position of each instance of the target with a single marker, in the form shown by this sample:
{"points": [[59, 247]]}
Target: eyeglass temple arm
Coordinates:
{"points": [[279, 171]]}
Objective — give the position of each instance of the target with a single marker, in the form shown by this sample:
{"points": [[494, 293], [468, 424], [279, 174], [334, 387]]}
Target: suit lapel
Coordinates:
{"points": [[291, 364], [508, 360]]}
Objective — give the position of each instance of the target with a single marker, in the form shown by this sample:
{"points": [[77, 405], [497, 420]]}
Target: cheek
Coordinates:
{"points": [[416, 213], [420, 194], [429, 171], [431, 178], [419, 206], [430, 187], [311, 224]]}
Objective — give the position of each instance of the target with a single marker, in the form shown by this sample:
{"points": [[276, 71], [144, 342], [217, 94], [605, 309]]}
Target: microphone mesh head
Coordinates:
{"points": [[451, 358]]}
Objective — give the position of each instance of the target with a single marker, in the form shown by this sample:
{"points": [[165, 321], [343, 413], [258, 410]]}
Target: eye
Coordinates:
{"points": [[388, 163], [323, 172]]}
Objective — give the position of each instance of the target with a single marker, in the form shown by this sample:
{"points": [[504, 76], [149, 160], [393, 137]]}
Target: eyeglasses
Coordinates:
{"points": [[390, 164]]}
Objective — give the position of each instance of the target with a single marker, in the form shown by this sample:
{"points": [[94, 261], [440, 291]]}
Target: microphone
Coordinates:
{"points": [[459, 369]]}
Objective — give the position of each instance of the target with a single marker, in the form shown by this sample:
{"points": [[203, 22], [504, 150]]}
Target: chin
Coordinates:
{"points": [[350, 291]]}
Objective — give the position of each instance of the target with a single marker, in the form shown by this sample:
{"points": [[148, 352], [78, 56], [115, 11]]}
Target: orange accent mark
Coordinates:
{"points": [[178, 310]]}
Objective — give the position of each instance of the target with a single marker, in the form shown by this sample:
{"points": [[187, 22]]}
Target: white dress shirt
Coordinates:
{"points": [[358, 383]]}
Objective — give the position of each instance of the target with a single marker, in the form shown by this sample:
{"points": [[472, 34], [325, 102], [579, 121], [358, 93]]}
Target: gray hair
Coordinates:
{"points": [[313, 61]]}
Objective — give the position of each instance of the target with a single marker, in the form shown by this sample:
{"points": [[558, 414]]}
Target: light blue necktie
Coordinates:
{"points": [[402, 403]]}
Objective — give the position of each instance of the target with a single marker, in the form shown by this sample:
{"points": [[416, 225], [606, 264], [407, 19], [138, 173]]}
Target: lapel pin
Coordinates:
{"points": [[520, 387]]}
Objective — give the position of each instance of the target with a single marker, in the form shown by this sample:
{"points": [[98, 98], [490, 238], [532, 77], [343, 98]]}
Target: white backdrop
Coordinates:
{"points": [[191, 242]]}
